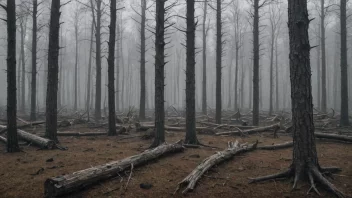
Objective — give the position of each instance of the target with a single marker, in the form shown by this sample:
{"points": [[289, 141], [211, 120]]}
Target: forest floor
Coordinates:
{"points": [[23, 174]]}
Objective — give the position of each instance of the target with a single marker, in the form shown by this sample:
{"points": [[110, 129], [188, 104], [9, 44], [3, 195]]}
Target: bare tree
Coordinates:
{"points": [[191, 136], [218, 61], [111, 69], [142, 61], [159, 74], [76, 21], [34, 62], [98, 60], [23, 26], [90, 69], [204, 58], [305, 158], [344, 120], [12, 141], [53, 71]]}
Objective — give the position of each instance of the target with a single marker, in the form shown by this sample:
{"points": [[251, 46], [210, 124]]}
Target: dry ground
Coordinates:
{"points": [[18, 179]]}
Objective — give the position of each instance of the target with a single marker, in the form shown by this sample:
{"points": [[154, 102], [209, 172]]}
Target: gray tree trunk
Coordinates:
{"points": [[344, 121], [256, 63], [204, 58], [218, 61], [142, 62], [323, 57], [98, 62], [34, 62]]}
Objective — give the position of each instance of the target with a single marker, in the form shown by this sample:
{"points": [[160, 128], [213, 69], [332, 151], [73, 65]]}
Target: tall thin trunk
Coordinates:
{"points": [[237, 48], [159, 74], [277, 105], [191, 136], [117, 65], [218, 61], [76, 61], [12, 141], [318, 73], [53, 69], [90, 69], [34, 62], [344, 121], [256, 64], [19, 76], [204, 58], [271, 69], [111, 68], [23, 73], [98, 63], [59, 92], [142, 61], [323, 58]]}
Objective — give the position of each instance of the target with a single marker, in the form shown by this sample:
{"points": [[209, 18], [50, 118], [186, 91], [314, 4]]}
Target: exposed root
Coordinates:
{"points": [[311, 180], [286, 173], [322, 180], [297, 178], [325, 170]]}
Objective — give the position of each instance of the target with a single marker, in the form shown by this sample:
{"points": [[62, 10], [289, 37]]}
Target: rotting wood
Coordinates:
{"points": [[36, 140], [274, 127], [333, 137], [234, 148], [65, 184]]}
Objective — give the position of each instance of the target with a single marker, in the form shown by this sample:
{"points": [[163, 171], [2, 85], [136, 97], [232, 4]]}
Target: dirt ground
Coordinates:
{"points": [[19, 178]]}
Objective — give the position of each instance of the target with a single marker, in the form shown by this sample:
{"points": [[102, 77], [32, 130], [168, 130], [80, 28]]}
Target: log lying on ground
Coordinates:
{"points": [[274, 127], [3, 140], [66, 184], [276, 146], [333, 137], [226, 125], [234, 148], [80, 134], [36, 140], [168, 128], [24, 126]]}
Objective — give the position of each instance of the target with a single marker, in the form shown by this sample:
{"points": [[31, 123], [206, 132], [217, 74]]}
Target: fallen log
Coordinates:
{"points": [[36, 140], [168, 128], [333, 136], [80, 134], [65, 184], [24, 126], [234, 148], [274, 127], [276, 146], [3, 140]]}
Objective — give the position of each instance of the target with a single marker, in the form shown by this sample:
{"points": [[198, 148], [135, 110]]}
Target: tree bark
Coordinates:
{"points": [[323, 57], [23, 26], [159, 74], [142, 62], [76, 21], [53, 69], [204, 58], [344, 120], [98, 62], [191, 136], [111, 70], [218, 61], [117, 103], [34, 62], [90, 69], [256, 63], [12, 141]]}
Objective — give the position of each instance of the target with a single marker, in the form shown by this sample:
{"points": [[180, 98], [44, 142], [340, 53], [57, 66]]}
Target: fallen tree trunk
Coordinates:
{"points": [[36, 140], [168, 128], [3, 140], [333, 137], [24, 126], [81, 134], [274, 127], [233, 149], [276, 146], [66, 184]]}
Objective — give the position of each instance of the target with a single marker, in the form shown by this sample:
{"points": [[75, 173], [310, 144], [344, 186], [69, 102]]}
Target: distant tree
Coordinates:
{"points": [[142, 61], [23, 28], [12, 141], [90, 68], [76, 22], [191, 136], [218, 61], [344, 120], [305, 158], [53, 72], [98, 60], [159, 74], [34, 62], [204, 58], [111, 69]]}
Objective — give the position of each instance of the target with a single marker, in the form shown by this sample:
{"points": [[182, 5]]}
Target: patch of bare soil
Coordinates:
{"points": [[23, 174]]}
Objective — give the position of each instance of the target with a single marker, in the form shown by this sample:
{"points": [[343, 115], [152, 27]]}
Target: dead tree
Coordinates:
{"points": [[191, 136], [98, 60], [90, 69], [76, 21], [12, 141], [218, 61], [142, 61], [23, 26], [204, 58], [344, 120], [323, 56], [34, 62], [159, 74], [53, 69], [305, 158], [256, 7], [111, 69]]}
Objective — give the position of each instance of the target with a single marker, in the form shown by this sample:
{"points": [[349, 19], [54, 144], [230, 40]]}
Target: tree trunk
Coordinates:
{"points": [[23, 73], [111, 68], [344, 121], [98, 63], [142, 61], [256, 63], [236, 71], [271, 91], [117, 65], [90, 69], [218, 61], [76, 60], [159, 74], [277, 105], [53, 69], [12, 141], [34, 62], [323, 58], [204, 58], [59, 92], [191, 136]]}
